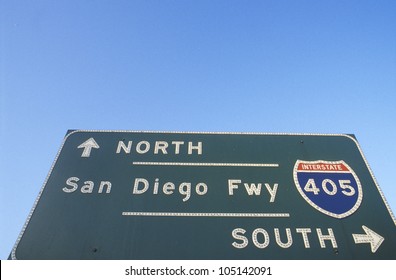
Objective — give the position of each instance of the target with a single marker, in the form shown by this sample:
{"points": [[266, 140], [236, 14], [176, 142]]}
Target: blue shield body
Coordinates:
{"points": [[331, 187]]}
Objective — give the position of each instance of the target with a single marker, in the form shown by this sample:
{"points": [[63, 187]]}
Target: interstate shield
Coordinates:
{"points": [[331, 187]]}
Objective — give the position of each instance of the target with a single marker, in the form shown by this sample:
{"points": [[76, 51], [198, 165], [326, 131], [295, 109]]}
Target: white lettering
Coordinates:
{"points": [[253, 189], [168, 188], [232, 184], [88, 187], [204, 188], [261, 238], [72, 183], [106, 184], [136, 186], [121, 145], [160, 145], [139, 147], [265, 236], [238, 234], [330, 237], [289, 238], [272, 191], [185, 189], [304, 232], [198, 147], [177, 146], [156, 184]]}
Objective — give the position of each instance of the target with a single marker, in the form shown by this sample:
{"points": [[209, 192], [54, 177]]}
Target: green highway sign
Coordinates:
{"points": [[174, 195]]}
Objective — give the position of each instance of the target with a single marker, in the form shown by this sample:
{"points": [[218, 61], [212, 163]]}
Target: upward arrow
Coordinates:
{"points": [[371, 237], [87, 146]]}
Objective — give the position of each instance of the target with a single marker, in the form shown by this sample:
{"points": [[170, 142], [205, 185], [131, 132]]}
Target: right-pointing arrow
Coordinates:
{"points": [[371, 237]]}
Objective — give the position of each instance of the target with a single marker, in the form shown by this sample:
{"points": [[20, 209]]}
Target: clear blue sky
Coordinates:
{"points": [[237, 66]]}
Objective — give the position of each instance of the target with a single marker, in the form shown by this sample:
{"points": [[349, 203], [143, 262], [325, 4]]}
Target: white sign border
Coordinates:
{"points": [[71, 132]]}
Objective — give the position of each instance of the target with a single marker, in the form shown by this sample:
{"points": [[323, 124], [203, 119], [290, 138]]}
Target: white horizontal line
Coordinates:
{"points": [[214, 215], [206, 164]]}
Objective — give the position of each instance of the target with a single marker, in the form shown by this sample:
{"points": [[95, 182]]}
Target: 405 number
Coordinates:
{"points": [[330, 187]]}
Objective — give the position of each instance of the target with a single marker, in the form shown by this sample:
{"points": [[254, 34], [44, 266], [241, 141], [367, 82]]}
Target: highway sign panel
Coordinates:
{"points": [[186, 195]]}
